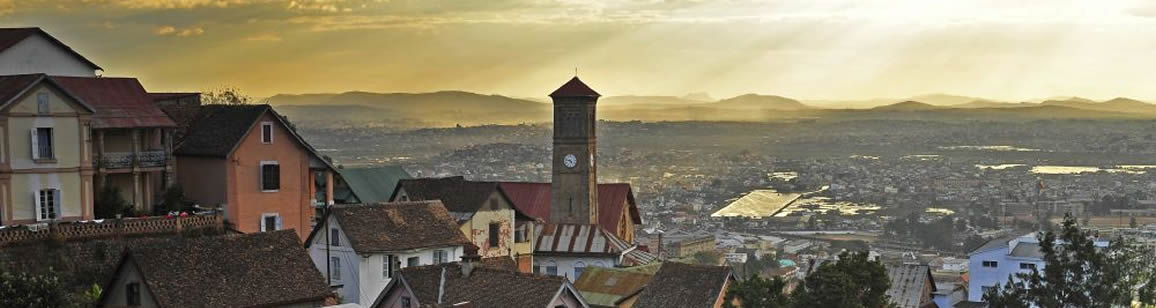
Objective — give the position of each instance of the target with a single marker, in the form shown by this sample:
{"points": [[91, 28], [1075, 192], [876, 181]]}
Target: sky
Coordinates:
{"points": [[812, 49]]}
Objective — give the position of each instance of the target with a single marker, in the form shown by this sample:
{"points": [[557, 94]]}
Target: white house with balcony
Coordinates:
{"points": [[1000, 258], [132, 138], [33, 51], [360, 248]]}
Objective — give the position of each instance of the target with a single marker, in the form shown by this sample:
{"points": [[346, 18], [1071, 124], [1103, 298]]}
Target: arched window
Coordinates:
{"points": [[579, 267], [551, 268]]}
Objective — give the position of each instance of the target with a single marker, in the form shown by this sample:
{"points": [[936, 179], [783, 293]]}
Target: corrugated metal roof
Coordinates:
{"points": [[908, 284], [373, 184], [119, 102], [534, 200]]}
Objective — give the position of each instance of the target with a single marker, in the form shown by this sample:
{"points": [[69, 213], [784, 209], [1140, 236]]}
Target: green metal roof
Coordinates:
{"points": [[373, 184]]}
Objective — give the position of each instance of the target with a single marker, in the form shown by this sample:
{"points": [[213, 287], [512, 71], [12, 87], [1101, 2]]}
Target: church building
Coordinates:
{"points": [[581, 228]]}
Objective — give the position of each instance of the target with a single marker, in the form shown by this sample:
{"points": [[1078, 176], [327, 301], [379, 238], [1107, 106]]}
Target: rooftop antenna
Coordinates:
{"points": [[575, 71]]}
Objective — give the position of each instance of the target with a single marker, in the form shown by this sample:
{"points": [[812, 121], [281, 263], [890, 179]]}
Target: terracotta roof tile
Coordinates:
{"points": [[684, 285], [457, 194], [394, 226], [235, 271], [483, 287]]}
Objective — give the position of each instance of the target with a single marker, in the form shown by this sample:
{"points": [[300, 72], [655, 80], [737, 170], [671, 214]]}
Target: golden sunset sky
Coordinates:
{"points": [[813, 49]]}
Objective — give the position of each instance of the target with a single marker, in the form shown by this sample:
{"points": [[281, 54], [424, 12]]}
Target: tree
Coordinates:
{"points": [[1077, 273], [225, 96], [172, 200], [852, 282], [109, 203], [29, 290], [706, 257], [757, 292], [1132, 222]]}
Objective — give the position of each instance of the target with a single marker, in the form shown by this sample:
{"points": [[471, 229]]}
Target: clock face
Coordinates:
{"points": [[570, 161]]}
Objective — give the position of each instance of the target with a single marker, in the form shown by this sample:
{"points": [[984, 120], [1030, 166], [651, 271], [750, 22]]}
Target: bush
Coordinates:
{"points": [[109, 203]]}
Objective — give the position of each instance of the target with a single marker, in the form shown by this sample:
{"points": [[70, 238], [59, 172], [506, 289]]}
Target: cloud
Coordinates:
{"points": [[264, 37], [185, 32]]}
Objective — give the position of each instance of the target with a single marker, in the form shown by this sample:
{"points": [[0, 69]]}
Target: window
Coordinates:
{"points": [[42, 106], [495, 228], [47, 204], [440, 256], [334, 237], [992, 264], [537, 269], [267, 132], [42, 143], [388, 265], [270, 222], [412, 261], [579, 267], [552, 269], [270, 176], [1027, 266], [132, 294], [335, 268], [406, 302]]}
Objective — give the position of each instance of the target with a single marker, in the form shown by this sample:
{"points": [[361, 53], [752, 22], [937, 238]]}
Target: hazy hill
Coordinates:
{"points": [[759, 102], [449, 108], [992, 104], [438, 108], [1119, 104], [944, 99], [646, 100], [907, 106]]}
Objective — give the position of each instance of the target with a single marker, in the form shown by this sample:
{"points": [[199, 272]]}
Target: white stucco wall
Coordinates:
{"points": [[362, 277], [987, 276], [37, 54], [566, 265]]}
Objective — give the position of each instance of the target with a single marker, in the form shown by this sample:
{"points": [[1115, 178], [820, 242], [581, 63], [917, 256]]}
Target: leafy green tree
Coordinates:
{"points": [[1077, 273], [172, 200], [29, 290], [757, 292], [852, 282]]}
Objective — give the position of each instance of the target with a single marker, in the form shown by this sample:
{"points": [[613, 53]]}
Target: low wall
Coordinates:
{"points": [[108, 228]]}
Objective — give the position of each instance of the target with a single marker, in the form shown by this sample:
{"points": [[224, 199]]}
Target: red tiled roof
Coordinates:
{"points": [[119, 102], [574, 88], [12, 86], [534, 200], [11, 36]]}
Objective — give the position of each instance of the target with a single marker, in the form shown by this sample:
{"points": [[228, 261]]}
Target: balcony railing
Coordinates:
{"points": [[115, 160]]}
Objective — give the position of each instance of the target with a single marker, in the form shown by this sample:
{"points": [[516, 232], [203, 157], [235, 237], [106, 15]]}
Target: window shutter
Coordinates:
{"points": [[56, 206], [36, 205], [35, 144], [276, 176]]}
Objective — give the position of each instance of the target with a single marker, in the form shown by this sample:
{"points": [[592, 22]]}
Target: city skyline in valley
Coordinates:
{"points": [[809, 50]]}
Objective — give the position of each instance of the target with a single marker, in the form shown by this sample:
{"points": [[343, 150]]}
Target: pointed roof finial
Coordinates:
{"points": [[574, 88]]}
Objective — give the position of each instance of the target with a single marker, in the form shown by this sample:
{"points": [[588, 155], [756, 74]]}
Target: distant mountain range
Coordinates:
{"points": [[448, 108]]}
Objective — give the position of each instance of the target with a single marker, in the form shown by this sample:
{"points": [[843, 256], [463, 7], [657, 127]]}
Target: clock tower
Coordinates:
{"points": [[574, 179]]}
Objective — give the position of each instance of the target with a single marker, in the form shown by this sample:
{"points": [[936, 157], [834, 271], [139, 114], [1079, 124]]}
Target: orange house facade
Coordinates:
{"points": [[249, 163]]}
